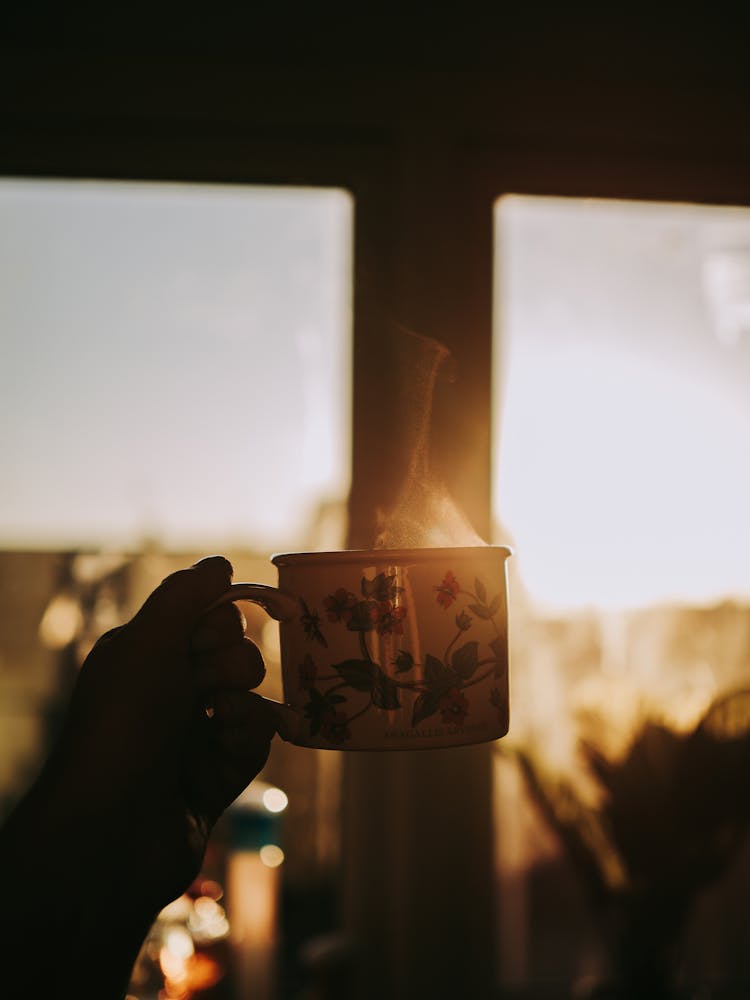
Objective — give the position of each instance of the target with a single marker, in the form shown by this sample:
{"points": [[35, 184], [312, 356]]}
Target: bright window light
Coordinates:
{"points": [[175, 363], [622, 400]]}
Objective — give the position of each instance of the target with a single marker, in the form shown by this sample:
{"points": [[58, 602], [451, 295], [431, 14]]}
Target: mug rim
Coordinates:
{"points": [[421, 554]]}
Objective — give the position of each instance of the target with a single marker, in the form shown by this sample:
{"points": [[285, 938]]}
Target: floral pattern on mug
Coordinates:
{"points": [[454, 707], [307, 673], [439, 684], [340, 606], [310, 621], [448, 590]]}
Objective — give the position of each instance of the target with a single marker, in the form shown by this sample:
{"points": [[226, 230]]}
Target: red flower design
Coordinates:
{"points": [[454, 707], [388, 619], [334, 728], [447, 591], [307, 673], [340, 606]]}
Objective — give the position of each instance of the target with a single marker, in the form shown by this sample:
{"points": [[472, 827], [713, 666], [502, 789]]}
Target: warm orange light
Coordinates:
{"points": [[208, 921], [61, 622], [209, 887], [271, 855], [252, 898]]}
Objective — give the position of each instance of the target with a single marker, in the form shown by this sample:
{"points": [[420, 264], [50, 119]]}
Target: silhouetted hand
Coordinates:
{"points": [[117, 823]]}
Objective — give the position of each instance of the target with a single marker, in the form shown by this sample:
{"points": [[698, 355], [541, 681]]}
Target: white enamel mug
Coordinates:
{"points": [[390, 649]]}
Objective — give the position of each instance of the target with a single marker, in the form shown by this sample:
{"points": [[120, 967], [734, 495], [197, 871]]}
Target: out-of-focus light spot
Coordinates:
{"points": [[275, 800], [178, 910], [203, 973], [271, 855], [174, 959], [211, 888], [208, 921], [254, 797], [93, 567], [179, 942], [61, 622]]}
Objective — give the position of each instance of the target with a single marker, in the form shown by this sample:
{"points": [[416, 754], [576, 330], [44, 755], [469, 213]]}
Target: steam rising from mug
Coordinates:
{"points": [[424, 514]]}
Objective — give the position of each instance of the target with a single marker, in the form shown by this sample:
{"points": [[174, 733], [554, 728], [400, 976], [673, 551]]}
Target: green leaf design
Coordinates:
{"points": [[466, 660], [434, 670], [384, 691], [495, 605], [358, 674], [314, 709], [426, 705], [404, 661], [439, 677], [362, 675], [481, 590], [311, 623], [481, 611]]}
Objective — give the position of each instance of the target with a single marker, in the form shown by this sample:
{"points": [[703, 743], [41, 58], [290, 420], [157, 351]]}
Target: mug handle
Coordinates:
{"points": [[291, 724]]}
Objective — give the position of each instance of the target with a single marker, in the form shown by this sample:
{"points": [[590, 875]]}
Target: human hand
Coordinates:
{"points": [[139, 757], [116, 824]]}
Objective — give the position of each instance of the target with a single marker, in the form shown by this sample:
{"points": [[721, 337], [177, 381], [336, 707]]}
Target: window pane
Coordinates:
{"points": [[175, 363], [622, 430], [622, 411], [175, 381]]}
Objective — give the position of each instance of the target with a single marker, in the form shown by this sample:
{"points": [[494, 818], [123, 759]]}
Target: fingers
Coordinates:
{"points": [[246, 739], [234, 708], [238, 667], [240, 742], [180, 599], [222, 627]]}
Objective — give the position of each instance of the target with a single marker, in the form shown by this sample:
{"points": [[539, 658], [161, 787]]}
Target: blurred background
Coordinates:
{"points": [[208, 274]]}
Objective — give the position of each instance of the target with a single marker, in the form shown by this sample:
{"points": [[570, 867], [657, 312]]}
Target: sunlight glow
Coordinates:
{"points": [[622, 415]]}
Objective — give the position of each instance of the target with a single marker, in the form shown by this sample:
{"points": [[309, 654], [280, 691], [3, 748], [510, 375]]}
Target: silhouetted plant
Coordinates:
{"points": [[672, 815]]}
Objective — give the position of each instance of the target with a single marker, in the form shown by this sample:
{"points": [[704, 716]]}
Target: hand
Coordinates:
{"points": [[139, 745], [120, 816]]}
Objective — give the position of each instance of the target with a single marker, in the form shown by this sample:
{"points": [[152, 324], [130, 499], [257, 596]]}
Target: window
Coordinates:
{"points": [[175, 381], [622, 426], [621, 402], [175, 364]]}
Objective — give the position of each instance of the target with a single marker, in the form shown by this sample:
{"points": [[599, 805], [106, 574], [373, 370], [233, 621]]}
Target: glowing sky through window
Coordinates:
{"points": [[175, 362], [622, 408]]}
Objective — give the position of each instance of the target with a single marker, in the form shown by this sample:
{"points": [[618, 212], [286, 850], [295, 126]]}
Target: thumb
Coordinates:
{"points": [[179, 600]]}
